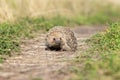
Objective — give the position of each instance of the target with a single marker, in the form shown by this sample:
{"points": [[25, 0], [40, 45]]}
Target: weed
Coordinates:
{"points": [[108, 40]]}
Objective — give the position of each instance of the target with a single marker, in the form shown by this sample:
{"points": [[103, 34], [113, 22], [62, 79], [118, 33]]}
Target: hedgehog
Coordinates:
{"points": [[60, 38]]}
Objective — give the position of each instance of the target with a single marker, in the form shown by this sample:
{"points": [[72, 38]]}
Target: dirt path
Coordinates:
{"points": [[35, 62]]}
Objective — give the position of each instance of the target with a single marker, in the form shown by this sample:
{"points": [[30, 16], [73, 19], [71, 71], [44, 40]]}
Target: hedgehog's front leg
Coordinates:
{"points": [[65, 47]]}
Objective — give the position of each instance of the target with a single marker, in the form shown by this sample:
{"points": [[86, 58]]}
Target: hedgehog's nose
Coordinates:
{"points": [[58, 42]]}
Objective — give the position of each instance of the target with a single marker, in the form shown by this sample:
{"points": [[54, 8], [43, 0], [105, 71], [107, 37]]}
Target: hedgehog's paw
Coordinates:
{"points": [[63, 50], [66, 48]]}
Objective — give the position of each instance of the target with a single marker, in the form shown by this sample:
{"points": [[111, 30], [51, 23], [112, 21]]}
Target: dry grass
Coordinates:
{"points": [[13, 9]]}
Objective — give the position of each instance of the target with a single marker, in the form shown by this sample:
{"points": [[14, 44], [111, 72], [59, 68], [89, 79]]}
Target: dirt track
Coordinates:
{"points": [[35, 62]]}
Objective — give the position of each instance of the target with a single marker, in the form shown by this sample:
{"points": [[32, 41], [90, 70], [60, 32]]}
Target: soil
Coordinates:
{"points": [[35, 63]]}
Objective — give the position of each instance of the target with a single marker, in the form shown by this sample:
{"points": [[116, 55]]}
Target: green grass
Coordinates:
{"points": [[101, 60], [105, 68], [109, 40]]}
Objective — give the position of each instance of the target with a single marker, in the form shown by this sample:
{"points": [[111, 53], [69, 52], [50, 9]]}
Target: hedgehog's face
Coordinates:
{"points": [[54, 40]]}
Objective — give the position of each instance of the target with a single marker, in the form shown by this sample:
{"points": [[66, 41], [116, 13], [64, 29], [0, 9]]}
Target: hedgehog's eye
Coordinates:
{"points": [[54, 39]]}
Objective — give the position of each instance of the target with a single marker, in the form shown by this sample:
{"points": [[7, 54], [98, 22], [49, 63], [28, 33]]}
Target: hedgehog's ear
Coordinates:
{"points": [[54, 39]]}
